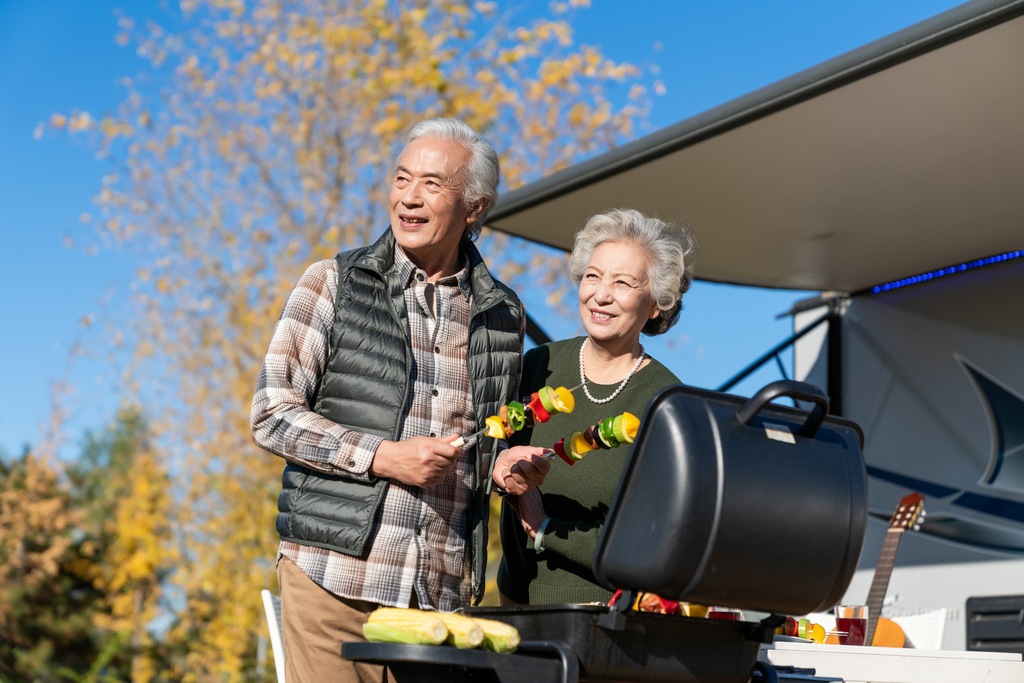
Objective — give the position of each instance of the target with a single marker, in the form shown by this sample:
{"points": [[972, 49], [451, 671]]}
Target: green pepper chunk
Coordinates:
{"points": [[606, 433], [516, 415]]}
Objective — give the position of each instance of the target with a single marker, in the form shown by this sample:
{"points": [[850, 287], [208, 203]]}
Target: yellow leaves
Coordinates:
{"points": [[270, 89], [112, 128], [579, 114]]}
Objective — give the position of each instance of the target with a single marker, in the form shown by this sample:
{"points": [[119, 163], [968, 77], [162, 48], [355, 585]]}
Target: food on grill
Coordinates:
{"points": [[649, 602], [608, 433], [692, 609], [407, 626], [463, 632], [417, 627], [498, 636]]}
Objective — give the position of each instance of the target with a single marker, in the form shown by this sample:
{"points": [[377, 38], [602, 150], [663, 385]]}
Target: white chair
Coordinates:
{"points": [[272, 607], [924, 631]]}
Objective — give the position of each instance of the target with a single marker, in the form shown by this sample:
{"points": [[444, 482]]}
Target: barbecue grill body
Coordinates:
{"points": [[643, 647], [718, 512]]}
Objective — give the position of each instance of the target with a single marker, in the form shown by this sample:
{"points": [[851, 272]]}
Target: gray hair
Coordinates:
{"points": [[481, 173], [670, 248]]}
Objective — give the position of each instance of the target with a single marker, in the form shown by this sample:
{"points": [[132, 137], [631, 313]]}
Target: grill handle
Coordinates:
{"points": [[570, 664], [787, 387]]}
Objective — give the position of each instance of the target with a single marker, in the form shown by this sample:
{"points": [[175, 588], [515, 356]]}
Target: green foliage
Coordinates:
{"points": [[46, 597]]}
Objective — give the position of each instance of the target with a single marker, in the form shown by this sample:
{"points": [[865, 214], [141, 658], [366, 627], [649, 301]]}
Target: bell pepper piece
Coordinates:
{"points": [[605, 432], [564, 401], [494, 427], [559, 449], [516, 415], [578, 446], [540, 413]]}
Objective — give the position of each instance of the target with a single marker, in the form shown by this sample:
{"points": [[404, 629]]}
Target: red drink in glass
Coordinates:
{"points": [[851, 631], [726, 614]]}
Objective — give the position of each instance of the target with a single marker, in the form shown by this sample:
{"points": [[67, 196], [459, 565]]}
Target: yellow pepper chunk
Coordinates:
{"points": [[494, 427], [579, 444], [630, 426], [564, 401]]}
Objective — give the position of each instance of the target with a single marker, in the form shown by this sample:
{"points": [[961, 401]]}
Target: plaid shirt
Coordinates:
{"points": [[420, 534]]}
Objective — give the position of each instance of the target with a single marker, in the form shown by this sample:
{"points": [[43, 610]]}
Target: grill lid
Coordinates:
{"points": [[726, 501]]}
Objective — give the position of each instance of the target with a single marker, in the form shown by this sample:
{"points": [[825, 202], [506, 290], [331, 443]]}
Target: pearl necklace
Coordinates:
{"points": [[583, 375]]}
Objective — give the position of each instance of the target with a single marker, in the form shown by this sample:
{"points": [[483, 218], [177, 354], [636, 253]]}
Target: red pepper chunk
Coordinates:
{"points": [[559, 448], [539, 412]]}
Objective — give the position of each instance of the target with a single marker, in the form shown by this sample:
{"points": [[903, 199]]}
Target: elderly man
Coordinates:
{"points": [[382, 357]]}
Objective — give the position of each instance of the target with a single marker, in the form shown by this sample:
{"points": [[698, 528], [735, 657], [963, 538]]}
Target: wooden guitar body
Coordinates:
{"points": [[888, 634]]}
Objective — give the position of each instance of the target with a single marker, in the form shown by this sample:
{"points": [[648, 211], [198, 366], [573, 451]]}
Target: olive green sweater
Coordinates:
{"points": [[575, 498]]}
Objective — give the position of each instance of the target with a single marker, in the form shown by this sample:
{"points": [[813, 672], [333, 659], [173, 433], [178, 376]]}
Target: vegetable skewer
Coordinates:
{"points": [[516, 416], [606, 434]]}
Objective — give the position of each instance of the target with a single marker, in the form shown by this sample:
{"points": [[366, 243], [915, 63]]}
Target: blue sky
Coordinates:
{"points": [[58, 55]]}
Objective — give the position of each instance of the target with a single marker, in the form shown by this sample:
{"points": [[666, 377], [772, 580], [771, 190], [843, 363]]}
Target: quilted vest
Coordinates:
{"points": [[366, 384]]}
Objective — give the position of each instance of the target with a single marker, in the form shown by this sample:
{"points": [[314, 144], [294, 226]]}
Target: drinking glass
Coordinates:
{"points": [[726, 613], [851, 624]]}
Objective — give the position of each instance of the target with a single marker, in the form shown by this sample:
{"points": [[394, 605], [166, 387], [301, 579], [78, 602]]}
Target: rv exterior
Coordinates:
{"points": [[890, 178], [934, 375]]}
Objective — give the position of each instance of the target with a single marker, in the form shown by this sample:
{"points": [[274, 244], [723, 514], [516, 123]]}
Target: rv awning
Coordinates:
{"points": [[898, 158]]}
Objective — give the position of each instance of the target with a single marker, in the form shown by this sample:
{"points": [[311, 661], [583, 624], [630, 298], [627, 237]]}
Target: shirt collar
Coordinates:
{"points": [[409, 274]]}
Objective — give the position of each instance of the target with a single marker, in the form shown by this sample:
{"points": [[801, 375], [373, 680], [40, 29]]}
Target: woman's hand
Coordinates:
{"points": [[521, 469], [531, 512]]}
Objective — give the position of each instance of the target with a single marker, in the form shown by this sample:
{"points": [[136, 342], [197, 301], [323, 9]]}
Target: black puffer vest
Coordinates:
{"points": [[366, 384]]}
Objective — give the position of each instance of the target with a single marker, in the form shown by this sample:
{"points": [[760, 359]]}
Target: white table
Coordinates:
{"points": [[894, 665]]}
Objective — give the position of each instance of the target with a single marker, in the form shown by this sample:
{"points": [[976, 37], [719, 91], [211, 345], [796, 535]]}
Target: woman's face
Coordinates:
{"points": [[615, 294]]}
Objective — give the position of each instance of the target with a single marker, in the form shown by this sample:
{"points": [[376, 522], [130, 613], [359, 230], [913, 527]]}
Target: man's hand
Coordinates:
{"points": [[420, 461], [521, 469]]}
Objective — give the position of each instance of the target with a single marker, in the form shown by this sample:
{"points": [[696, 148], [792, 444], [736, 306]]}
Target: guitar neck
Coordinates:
{"points": [[880, 584]]}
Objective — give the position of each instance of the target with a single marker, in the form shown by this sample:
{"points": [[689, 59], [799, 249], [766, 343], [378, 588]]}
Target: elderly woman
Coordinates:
{"points": [[632, 272]]}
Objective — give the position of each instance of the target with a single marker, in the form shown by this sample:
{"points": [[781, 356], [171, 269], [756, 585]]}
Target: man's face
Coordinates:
{"points": [[427, 214]]}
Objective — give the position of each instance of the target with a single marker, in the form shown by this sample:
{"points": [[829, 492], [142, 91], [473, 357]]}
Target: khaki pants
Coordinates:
{"points": [[314, 624]]}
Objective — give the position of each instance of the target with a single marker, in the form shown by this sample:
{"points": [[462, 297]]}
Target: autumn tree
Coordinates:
{"points": [[262, 140], [123, 491], [46, 598]]}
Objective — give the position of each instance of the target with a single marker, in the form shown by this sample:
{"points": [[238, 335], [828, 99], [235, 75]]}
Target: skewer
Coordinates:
{"points": [[463, 440]]}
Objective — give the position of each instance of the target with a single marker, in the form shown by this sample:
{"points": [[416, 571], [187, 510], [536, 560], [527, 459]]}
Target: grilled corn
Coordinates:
{"points": [[498, 636], [409, 626], [463, 632]]}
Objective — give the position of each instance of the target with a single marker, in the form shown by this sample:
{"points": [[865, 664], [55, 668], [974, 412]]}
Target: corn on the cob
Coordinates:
{"points": [[424, 626], [463, 632], [498, 636]]}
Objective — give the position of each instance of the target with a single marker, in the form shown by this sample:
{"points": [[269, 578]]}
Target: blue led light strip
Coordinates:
{"points": [[999, 258]]}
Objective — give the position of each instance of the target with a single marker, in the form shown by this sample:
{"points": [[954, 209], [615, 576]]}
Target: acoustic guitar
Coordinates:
{"points": [[882, 632]]}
